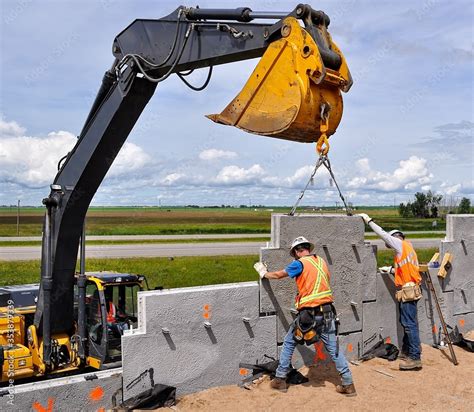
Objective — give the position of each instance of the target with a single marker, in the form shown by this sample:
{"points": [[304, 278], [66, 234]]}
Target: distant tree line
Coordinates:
{"points": [[427, 205]]}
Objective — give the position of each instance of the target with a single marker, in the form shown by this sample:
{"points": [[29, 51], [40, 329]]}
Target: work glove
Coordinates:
{"points": [[386, 270], [261, 269], [366, 217]]}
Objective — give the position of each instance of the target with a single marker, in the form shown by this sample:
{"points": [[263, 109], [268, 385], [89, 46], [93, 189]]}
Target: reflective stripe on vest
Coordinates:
{"points": [[321, 290], [406, 265]]}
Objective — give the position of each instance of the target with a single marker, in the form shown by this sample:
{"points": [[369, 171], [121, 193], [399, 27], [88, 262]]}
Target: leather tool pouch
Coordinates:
{"points": [[311, 322], [409, 292]]}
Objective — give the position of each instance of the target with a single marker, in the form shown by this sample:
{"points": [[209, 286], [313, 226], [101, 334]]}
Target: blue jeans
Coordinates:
{"points": [[411, 337], [330, 343]]}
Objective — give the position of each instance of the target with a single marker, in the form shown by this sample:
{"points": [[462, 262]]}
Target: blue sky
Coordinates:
{"points": [[407, 123]]}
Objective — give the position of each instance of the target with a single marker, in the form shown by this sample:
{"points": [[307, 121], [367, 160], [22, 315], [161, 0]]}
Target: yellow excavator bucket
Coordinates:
{"points": [[291, 93]]}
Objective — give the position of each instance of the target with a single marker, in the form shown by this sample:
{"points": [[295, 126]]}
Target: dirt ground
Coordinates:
{"points": [[438, 386]]}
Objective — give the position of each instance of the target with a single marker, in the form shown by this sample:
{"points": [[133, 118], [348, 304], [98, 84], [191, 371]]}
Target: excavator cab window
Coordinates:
{"points": [[94, 325], [121, 309]]}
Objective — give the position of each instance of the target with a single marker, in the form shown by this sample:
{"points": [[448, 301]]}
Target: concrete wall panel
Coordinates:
{"points": [[459, 227], [195, 338], [340, 241], [65, 394], [320, 229]]}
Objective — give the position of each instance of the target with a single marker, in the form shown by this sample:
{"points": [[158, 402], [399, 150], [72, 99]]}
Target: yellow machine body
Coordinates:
{"points": [[290, 91]]}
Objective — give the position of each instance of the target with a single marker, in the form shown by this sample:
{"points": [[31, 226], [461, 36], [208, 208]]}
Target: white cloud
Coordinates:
{"points": [[237, 175], [213, 154], [10, 129], [410, 175], [173, 178], [130, 158], [32, 161], [450, 189]]}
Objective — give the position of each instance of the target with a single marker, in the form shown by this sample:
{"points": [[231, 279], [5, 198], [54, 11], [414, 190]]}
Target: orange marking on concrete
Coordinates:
{"points": [[101, 410], [461, 323], [319, 355], [96, 394], [206, 307], [349, 347], [205, 315], [243, 371], [434, 329], [388, 340], [41, 408]]}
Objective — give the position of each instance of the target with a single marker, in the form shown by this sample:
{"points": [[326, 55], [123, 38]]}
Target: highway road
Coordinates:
{"points": [[184, 237], [13, 253]]}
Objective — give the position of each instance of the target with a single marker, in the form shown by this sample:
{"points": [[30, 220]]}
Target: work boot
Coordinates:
{"points": [[347, 390], [279, 384], [403, 356], [410, 364]]}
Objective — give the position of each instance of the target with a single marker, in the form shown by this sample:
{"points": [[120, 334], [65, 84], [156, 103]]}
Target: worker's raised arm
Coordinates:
{"points": [[389, 240]]}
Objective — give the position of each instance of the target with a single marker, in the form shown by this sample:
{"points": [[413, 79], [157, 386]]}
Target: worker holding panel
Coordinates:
{"points": [[407, 282], [316, 319]]}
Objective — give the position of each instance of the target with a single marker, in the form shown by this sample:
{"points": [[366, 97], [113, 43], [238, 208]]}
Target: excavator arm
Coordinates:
{"points": [[302, 64]]}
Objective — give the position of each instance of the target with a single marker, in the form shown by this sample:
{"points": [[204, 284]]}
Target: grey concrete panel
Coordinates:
{"points": [[464, 322], [340, 242], [369, 271], [460, 277], [318, 229], [459, 227], [380, 318], [183, 351], [429, 322], [65, 394]]}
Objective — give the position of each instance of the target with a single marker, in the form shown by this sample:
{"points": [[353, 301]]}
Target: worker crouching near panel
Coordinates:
{"points": [[316, 318], [407, 282]]}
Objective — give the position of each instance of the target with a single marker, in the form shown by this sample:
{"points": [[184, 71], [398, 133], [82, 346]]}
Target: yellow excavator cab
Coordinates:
{"points": [[291, 94]]}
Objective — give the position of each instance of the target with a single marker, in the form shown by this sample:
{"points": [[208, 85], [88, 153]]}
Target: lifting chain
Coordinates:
{"points": [[322, 147]]}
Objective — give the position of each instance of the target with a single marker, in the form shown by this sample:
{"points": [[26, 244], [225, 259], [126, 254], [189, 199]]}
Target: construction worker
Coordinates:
{"points": [[407, 278], [314, 305]]}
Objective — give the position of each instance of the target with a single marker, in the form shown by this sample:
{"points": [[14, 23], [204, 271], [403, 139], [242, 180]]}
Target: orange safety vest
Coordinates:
{"points": [[313, 283], [406, 265], [111, 313]]}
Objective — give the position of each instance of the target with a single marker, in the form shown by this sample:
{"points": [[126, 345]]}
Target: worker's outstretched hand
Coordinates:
{"points": [[366, 217], [386, 270], [261, 269]]}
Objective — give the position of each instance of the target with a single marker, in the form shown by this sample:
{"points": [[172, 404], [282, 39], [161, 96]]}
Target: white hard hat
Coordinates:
{"points": [[300, 240], [395, 231]]}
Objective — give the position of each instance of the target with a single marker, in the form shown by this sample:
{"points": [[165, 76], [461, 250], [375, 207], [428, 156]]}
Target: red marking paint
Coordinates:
{"points": [[461, 323], [41, 408], [434, 329], [388, 340], [319, 355], [96, 394], [349, 347]]}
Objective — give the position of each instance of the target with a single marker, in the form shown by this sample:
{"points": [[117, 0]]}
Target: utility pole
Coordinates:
{"points": [[18, 218]]}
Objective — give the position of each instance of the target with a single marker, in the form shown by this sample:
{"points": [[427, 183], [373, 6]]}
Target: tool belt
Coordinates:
{"points": [[310, 323], [409, 292]]}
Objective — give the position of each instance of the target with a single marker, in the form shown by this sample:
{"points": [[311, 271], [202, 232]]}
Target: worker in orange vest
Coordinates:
{"points": [[316, 319], [407, 282]]}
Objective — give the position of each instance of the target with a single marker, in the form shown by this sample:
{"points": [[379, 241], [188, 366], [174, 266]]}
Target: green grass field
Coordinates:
{"points": [[165, 221], [178, 272]]}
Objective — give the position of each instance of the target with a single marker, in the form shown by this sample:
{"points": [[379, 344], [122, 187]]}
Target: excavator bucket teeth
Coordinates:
{"points": [[286, 92]]}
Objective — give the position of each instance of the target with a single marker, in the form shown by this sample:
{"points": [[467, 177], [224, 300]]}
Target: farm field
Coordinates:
{"points": [[172, 272], [174, 220]]}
